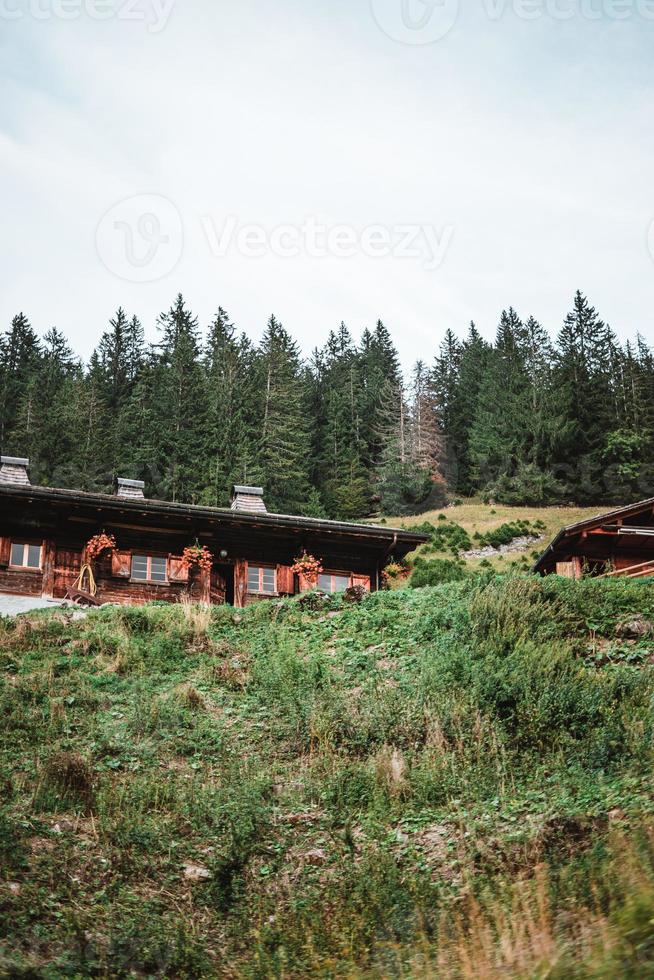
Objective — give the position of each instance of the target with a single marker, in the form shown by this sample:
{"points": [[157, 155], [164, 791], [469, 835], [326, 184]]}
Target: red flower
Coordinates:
{"points": [[197, 556], [98, 544], [308, 566]]}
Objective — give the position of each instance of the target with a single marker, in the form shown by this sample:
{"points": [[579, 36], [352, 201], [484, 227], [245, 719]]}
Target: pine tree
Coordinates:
{"points": [[179, 404], [426, 436], [229, 438], [497, 437], [445, 383], [47, 399], [335, 393], [380, 381], [20, 354], [585, 400], [406, 485], [136, 435], [282, 454]]}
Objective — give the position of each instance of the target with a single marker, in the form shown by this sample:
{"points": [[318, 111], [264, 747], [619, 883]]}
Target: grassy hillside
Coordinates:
{"points": [[450, 782], [478, 518]]}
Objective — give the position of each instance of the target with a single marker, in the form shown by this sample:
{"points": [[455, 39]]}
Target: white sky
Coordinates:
{"points": [[524, 145]]}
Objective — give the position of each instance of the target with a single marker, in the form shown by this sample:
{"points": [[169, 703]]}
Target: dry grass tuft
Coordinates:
{"points": [[390, 771], [71, 774], [197, 615], [191, 697]]}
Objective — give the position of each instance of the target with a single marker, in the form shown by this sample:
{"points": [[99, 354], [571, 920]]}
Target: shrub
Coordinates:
{"points": [[436, 572]]}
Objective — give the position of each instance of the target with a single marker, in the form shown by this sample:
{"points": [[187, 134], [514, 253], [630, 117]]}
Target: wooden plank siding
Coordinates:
{"points": [[62, 566], [63, 521]]}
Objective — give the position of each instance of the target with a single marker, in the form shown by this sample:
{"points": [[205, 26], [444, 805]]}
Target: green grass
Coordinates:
{"points": [[450, 781]]}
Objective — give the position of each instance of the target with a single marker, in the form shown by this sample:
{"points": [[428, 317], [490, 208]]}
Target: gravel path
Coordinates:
{"points": [[12, 605]]}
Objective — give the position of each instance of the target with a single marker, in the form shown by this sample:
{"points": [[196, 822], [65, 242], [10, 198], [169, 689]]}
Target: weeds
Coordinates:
{"points": [[451, 781]]}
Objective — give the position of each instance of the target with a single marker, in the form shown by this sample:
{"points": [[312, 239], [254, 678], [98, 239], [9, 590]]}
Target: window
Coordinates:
{"points": [[25, 555], [146, 568], [333, 583], [261, 579]]}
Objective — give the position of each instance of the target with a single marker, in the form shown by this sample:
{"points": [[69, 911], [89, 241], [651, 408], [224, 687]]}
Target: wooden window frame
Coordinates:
{"points": [[261, 569], [26, 545], [148, 580], [333, 574]]}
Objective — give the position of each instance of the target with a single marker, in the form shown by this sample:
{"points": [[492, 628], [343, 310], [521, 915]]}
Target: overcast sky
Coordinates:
{"points": [[327, 161]]}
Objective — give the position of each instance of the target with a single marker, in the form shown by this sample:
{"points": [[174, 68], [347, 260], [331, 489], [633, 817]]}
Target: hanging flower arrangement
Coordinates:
{"points": [[307, 566], [393, 573], [197, 556], [100, 544]]}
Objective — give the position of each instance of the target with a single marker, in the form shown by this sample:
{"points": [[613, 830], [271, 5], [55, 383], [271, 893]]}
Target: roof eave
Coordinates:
{"points": [[387, 536]]}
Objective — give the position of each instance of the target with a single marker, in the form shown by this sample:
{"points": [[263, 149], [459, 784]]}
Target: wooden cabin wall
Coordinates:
{"points": [[21, 583], [65, 533]]}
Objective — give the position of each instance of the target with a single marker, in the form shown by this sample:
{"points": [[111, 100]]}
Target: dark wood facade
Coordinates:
{"points": [[61, 522], [619, 543]]}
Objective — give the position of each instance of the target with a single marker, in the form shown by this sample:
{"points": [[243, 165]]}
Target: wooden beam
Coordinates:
{"points": [[643, 569], [49, 557]]}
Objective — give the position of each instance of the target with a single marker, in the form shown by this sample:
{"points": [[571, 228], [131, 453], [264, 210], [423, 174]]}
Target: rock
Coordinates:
{"points": [[195, 872], [634, 629], [299, 818], [355, 594], [63, 826], [316, 856]]}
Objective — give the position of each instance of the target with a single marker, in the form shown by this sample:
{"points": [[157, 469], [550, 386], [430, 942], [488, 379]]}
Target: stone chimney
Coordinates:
{"points": [[248, 499], [14, 470], [131, 489]]}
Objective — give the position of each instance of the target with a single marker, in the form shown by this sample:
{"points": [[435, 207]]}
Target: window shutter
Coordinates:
{"points": [[363, 580], [285, 579], [121, 564], [5, 551], [177, 570]]}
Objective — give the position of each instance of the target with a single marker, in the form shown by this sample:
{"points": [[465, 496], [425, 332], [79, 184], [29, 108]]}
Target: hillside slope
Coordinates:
{"points": [[450, 782], [476, 517]]}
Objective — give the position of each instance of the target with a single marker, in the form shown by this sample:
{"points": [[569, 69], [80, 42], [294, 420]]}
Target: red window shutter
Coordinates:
{"points": [[5, 551], [363, 580], [121, 564], [177, 570], [285, 580]]}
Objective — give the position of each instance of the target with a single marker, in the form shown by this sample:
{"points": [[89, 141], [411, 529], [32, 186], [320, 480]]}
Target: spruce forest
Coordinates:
{"points": [[536, 417]]}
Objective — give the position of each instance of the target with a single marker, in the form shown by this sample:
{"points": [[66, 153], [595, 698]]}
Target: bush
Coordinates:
{"points": [[507, 533], [436, 572]]}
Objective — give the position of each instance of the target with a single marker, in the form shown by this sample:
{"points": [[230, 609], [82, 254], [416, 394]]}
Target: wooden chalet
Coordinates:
{"points": [[619, 543], [45, 533]]}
